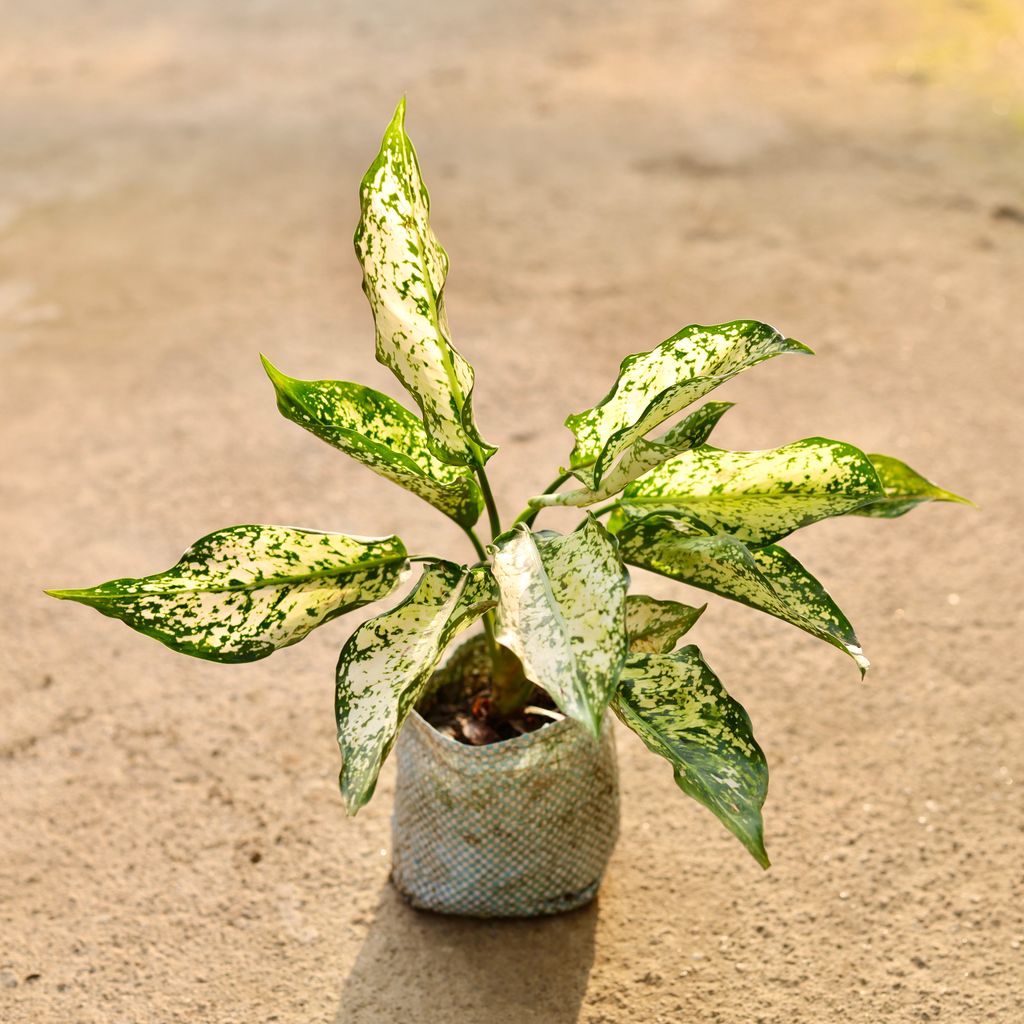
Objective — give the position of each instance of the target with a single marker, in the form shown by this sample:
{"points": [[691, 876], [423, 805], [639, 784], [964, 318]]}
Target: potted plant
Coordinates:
{"points": [[506, 799]]}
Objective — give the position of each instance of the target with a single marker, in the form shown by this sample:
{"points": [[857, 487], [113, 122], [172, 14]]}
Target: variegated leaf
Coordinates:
{"points": [[388, 661], [642, 456], [759, 497], [562, 611], [654, 627], [679, 708], [241, 593], [655, 385], [404, 270], [904, 489], [378, 432], [769, 578]]}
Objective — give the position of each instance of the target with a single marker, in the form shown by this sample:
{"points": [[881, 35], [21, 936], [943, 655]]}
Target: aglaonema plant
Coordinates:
{"points": [[554, 608]]}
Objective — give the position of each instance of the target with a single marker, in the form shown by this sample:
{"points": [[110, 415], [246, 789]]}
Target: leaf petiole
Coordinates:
{"points": [[528, 515], [492, 509], [478, 547], [610, 507]]}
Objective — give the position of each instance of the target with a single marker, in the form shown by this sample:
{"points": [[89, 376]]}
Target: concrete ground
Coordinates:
{"points": [[178, 193]]}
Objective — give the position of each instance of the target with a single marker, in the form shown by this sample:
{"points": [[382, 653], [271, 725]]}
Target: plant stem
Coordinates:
{"points": [[528, 515], [492, 509], [492, 643], [556, 483], [489, 617], [475, 541], [610, 507]]}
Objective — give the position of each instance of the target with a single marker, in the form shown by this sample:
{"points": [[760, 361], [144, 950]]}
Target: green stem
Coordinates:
{"points": [[489, 617], [478, 547], [510, 689], [492, 643], [492, 509], [528, 515], [610, 507]]}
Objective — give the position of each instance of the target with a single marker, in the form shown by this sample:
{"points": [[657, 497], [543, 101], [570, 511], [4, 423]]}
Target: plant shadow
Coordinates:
{"points": [[423, 967]]}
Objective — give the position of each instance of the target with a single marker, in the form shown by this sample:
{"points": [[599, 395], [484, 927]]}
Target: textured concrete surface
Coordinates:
{"points": [[177, 192]]}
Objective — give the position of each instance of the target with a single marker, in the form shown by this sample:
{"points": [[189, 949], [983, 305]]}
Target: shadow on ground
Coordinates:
{"points": [[425, 967]]}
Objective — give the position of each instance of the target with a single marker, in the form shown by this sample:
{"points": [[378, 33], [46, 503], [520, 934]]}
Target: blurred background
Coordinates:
{"points": [[178, 193]]}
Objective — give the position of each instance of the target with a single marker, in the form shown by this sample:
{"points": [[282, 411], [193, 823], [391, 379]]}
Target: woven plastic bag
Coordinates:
{"points": [[519, 828]]}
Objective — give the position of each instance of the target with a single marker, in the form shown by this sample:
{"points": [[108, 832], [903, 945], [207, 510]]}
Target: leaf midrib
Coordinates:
{"points": [[276, 581], [667, 499], [388, 454], [432, 296]]}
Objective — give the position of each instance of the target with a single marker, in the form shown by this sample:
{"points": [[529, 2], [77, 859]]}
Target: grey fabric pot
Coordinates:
{"points": [[513, 829]]}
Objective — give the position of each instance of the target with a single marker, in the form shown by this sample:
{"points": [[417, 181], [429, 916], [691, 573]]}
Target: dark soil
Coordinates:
{"points": [[459, 703]]}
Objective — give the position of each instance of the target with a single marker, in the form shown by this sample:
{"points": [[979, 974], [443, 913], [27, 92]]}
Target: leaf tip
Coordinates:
{"points": [[352, 796], [959, 499], [396, 126], [277, 378], [861, 661], [70, 595], [792, 345]]}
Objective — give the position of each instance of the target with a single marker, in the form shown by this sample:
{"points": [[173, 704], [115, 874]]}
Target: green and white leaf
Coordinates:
{"points": [[768, 579], [759, 497], [642, 456], [380, 433], [653, 386], [563, 612], [654, 626], [243, 592], [679, 708], [388, 661], [404, 270], [904, 489]]}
